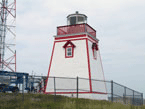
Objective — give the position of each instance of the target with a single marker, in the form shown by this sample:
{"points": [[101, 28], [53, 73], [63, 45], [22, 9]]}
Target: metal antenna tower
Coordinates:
{"points": [[8, 35]]}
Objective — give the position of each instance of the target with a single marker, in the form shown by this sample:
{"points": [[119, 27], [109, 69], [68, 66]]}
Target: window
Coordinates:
{"points": [[80, 19], [69, 51], [72, 20], [95, 49], [94, 53]]}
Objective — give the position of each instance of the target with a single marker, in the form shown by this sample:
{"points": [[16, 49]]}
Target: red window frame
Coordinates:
{"points": [[71, 52]]}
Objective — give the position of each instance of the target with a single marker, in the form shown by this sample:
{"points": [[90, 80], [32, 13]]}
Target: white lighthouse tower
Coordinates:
{"points": [[75, 53]]}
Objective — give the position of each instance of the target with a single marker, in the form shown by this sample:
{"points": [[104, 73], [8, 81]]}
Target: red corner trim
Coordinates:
{"points": [[49, 67], [89, 64], [90, 38]]}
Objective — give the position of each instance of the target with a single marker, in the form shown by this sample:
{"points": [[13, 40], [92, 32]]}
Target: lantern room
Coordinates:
{"points": [[76, 18], [76, 24]]}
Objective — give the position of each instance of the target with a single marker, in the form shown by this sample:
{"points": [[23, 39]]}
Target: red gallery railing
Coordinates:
{"points": [[73, 29]]}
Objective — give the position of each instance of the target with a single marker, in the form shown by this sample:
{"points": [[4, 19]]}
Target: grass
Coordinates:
{"points": [[41, 101]]}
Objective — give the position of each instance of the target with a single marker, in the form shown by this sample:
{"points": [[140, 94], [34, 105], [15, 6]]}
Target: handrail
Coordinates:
{"points": [[73, 29]]}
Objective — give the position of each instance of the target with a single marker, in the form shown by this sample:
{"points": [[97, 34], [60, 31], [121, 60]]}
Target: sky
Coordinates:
{"points": [[120, 26]]}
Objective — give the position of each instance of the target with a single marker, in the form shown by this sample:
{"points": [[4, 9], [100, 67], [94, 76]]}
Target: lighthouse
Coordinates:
{"points": [[76, 53]]}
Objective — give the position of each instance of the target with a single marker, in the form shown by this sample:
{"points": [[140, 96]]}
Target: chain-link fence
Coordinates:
{"points": [[78, 88], [93, 89]]}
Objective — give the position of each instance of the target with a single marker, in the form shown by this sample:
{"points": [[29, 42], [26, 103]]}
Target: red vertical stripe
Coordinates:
{"points": [[49, 68], [89, 69]]}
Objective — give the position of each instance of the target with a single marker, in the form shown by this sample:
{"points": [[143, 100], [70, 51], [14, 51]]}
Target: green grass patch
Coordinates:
{"points": [[41, 101]]}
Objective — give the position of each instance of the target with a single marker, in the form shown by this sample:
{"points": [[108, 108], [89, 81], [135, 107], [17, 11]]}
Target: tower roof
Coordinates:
{"points": [[67, 43], [76, 18], [77, 13]]}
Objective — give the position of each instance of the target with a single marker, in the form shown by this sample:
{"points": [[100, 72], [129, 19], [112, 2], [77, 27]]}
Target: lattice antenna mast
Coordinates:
{"points": [[8, 35]]}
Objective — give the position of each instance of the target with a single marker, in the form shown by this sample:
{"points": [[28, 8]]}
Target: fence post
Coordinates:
{"points": [[133, 98], [33, 84], [77, 86], [142, 99], [124, 95], [77, 92], [112, 90], [23, 89], [54, 89]]}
